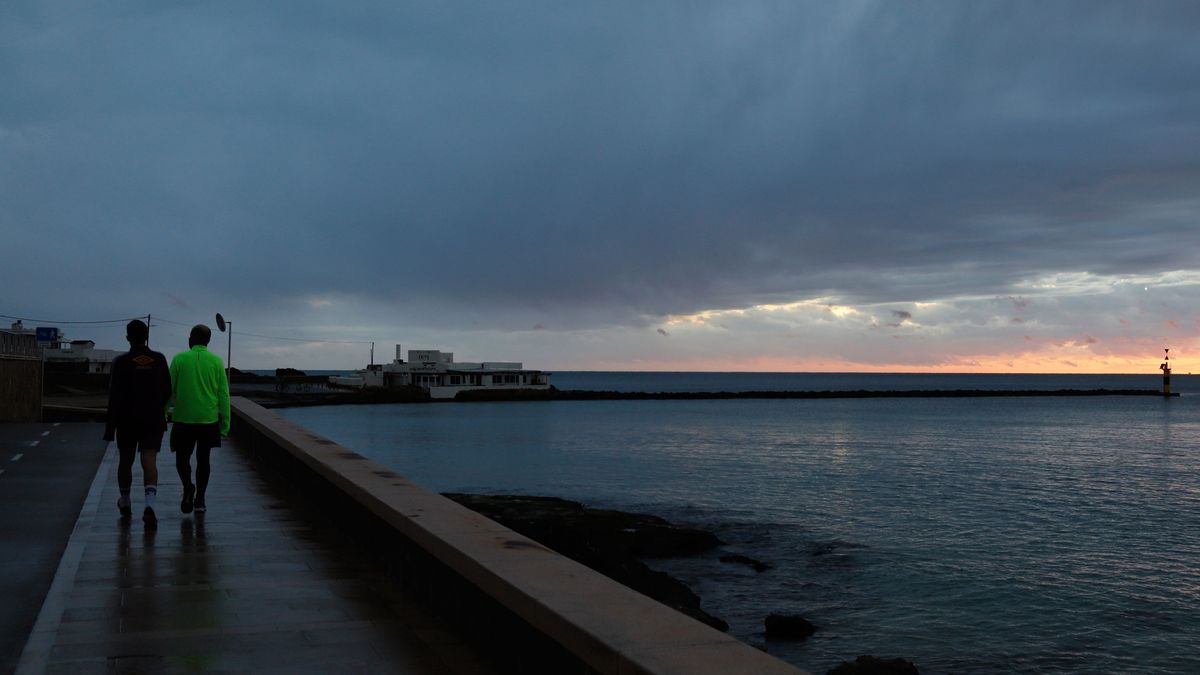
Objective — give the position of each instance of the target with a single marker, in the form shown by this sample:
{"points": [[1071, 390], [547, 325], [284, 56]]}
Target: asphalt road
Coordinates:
{"points": [[46, 471]]}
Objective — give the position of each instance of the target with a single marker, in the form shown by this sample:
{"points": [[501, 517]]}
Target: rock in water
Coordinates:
{"points": [[607, 541], [738, 559], [788, 627], [871, 665]]}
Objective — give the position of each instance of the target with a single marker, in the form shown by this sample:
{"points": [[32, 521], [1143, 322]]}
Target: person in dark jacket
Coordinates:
{"points": [[139, 390]]}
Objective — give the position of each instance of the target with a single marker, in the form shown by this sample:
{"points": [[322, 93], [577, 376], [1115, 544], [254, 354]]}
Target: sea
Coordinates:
{"points": [[968, 535]]}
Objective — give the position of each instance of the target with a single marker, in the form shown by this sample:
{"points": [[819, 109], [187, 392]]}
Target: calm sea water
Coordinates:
{"points": [[969, 535]]}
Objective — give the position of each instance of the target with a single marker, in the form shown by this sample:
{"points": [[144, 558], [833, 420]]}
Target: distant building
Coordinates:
{"points": [[17, 341], [79, 356], [438, 372]]}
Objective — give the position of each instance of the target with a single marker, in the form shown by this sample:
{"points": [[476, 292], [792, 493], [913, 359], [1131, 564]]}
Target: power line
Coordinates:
{"points": [[177, 323], [114, 321], [276, 337], [158, 319]]}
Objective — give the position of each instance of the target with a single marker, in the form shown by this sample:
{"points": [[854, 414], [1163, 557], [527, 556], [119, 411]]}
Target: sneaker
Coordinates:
{"points": [[189, 491], [149, 518], [200, 507], [125, 509]]}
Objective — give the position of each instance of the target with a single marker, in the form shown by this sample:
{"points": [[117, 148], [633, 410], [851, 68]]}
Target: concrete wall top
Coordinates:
{"points": [[607, 625]]}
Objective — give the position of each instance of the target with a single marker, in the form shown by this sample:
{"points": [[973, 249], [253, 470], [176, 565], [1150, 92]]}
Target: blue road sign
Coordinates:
{"points": [[46, 334]]}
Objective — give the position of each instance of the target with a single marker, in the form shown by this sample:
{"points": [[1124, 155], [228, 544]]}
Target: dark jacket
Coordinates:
{"points": [[138, 391]]}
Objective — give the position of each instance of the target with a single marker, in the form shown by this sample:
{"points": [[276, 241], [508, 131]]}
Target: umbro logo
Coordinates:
{"points": [[143, 361]]}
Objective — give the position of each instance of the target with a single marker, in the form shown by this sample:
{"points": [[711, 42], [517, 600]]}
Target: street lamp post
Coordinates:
{"points": [[221, 324]]}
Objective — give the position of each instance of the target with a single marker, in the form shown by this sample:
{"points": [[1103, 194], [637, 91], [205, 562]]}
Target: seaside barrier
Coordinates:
{"points": [[528, 609]]}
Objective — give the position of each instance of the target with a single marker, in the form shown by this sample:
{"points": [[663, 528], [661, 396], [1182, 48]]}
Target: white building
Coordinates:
{"points": [[443, 377], [73, 355]]}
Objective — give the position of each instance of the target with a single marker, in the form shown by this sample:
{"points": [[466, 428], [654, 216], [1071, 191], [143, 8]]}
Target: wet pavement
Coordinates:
{"points": [[258, 583], [45, 473]]}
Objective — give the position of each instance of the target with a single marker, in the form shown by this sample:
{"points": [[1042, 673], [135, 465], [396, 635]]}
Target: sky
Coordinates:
{"points": [[856, 185]]}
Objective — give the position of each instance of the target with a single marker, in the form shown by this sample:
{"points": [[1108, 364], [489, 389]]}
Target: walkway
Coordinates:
{"points": [[253, 585]]}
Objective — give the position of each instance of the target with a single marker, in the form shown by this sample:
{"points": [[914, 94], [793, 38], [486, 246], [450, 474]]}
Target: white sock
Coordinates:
{"points": [[151, 494]]}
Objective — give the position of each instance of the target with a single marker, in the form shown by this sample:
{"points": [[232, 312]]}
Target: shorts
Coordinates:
{"points": [[134, 438], [186, 436]]}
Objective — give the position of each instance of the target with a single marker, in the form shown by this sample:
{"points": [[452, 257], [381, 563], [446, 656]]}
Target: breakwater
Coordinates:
{"points": [[583, 395], [415, 395]]}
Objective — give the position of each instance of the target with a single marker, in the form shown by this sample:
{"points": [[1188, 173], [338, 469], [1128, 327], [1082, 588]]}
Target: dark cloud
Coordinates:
{"points": [[1018, 303], [662, 332], [177, 302], [601, 163]]}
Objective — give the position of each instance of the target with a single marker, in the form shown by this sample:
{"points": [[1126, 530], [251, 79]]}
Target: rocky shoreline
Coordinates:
{"points": [[614, 543], [610, 542]]}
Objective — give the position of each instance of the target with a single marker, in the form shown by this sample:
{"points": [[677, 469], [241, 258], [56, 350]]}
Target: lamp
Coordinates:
{"points": [[221, 324]]}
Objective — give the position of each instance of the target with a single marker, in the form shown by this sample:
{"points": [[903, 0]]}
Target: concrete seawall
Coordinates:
{"points": [[531, 609]]}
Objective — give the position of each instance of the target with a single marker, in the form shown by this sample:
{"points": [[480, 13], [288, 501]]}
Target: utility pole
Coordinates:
{"points": [[222, 324]]}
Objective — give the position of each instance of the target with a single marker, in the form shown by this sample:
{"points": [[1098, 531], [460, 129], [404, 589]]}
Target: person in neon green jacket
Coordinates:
{"points": [[201, 393]]}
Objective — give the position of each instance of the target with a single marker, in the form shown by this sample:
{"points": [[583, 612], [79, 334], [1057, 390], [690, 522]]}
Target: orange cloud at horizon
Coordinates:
{"points": [[1070, 356]]}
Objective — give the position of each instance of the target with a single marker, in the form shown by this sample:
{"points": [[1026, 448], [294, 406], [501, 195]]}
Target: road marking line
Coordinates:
{"points": [[45, 433], [33, 444], [17, 457], [57, 423], [1, 470]]}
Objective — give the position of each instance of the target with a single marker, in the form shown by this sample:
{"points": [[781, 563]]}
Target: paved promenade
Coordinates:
{"points": [[258, 583]]}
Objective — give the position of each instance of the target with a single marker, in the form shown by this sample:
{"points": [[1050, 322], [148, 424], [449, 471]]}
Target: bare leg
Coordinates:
{"points": [[125, 468], [183, 465], [150, 467], [203, 469], [125, 475], [150, 475]]}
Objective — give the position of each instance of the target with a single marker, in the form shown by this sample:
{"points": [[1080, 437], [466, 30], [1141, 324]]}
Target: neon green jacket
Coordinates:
{"points": [[199, 388]]}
